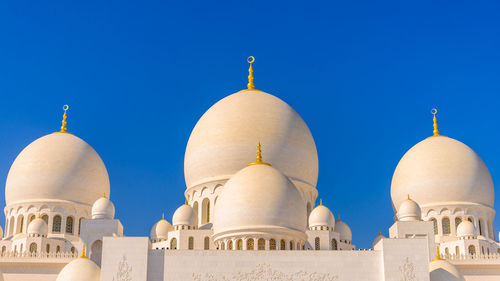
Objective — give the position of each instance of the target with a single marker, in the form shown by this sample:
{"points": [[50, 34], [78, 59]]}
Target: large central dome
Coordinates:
{"points": [[224, 139]]}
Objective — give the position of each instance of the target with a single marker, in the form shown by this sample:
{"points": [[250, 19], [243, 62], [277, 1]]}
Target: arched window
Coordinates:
{"points": [[80, 225], [457, 250], [191, 243], [239, 244], [21, 248], [47, 248], [446, 226], [272, 244], [261, 244], [222, 246], [334, 244], [58, 249], [481, 227], [69, 225], [73, 250], [205, 213], [250, 244], [46, 219], [472, 250], [207, 243], [488, 250], [173, 244], [33, 248], [282, 245], [446, 251], [317, 243], [30, 218], [434, 221], [56, 224], [298, 246], [230, 245], [291, 245], [458, 220], [5, 249], [482, 250], [20, 222]]}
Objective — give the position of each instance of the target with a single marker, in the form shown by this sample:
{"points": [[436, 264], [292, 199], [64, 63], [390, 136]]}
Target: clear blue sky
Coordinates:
{"points": [[364, 75]]}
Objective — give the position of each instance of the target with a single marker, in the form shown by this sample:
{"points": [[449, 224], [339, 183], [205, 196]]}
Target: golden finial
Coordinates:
{"points": [[163, 216], [438, 255], [104, 195], [321, 202], [250, 85], [436, 131], [83, 256], [258, 160], [63, 127], [409, 197], [338, 218], [185, 201]]}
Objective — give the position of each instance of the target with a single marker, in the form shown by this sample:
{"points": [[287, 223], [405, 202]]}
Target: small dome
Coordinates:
{"points": [[321, 216], [441, 270], [103, 208], [441, 171], [466, 229], [60, 166], [343, 230], [259, 198], [409, 210], [241, 120], [160, 230], [185, 215], [81, 269], [377, 239], [38, 227]]}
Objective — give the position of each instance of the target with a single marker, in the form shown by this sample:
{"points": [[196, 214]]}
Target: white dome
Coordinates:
{"points": [[38, 227], [81, 269], [321, 216], [229, 130], [260, 198], [409, 211], [343, 230], [441, 270], [466, 229], [59, 166], [184, 215], [160, 230], [103, 208], [439, 171]]}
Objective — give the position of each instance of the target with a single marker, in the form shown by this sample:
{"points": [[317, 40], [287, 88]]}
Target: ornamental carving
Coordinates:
{"points": [[123, 271], [264, 272], [407, 271]]}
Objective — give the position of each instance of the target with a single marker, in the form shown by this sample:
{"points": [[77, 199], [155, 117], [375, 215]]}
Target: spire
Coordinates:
{"points": [[163, 216], [63, 127], [436, 131], [321, 202], [258, 160], [185, 201], [83, 256], [104, 195], [338, 218], [409, 197], [438, 255], [250, 85]]}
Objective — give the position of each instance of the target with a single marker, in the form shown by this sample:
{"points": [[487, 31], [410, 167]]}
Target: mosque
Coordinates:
{"points": [[250, 211]]}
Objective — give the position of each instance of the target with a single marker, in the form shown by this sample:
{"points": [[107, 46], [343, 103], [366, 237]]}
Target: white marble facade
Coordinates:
{"points": [[251, 170]]}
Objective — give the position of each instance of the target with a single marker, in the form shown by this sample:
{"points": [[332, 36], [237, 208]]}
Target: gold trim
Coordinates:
{"points": [[63, 127], [258, 160]]}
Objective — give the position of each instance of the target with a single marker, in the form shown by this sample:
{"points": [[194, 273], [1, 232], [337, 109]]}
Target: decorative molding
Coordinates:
{"points": [[123, 271], [264, 272], [407, 271]]}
